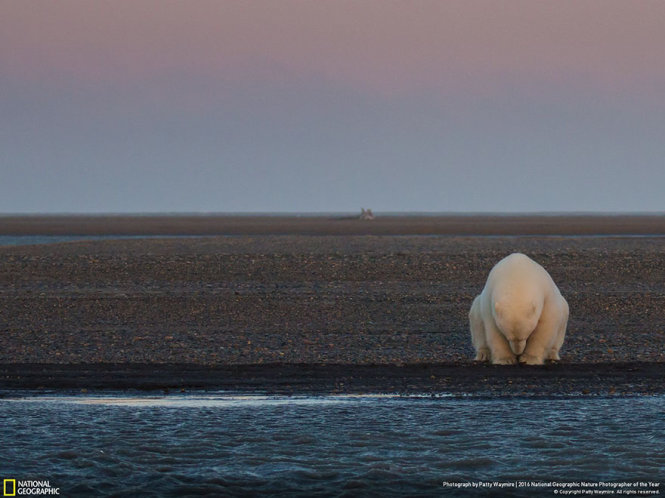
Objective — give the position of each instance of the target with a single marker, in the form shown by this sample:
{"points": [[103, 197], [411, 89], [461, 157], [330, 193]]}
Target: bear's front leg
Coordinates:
{"points": [[541, 341], [530, 359], [499, 348], [534, 353]]}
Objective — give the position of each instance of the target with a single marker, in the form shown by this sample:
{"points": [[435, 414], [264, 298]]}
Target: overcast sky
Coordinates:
{"points": [[311, 106]]}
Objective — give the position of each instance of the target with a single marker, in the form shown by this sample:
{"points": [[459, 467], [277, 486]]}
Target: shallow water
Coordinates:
{"points": [[183, 445], [29, 240]]}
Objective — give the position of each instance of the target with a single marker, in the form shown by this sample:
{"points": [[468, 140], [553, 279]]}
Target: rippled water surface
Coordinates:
{"points": [[343, 446]]}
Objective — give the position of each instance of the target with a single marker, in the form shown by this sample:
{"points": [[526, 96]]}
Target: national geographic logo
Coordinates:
{"points": [[9, 487], [14, 487]]}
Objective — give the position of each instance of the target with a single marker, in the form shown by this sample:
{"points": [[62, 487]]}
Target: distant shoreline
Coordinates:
{"points": [[335, 224]]}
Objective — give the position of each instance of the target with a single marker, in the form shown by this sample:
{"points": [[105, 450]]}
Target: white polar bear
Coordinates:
{"points": [[519, 314]]}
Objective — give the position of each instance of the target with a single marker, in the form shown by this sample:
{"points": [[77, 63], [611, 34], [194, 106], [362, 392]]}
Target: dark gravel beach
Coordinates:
{"points": [[355, 300], [457, 379]]}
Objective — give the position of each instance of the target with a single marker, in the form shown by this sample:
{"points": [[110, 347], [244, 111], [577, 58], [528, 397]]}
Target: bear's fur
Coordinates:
{"points": [[519, 316]]}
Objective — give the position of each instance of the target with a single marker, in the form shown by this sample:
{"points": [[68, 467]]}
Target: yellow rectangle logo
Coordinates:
{"points": [[8, 484]]}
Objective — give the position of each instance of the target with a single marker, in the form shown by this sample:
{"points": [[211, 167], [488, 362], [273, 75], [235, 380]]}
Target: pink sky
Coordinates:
{"points": [[388, 48], [330, 105]]}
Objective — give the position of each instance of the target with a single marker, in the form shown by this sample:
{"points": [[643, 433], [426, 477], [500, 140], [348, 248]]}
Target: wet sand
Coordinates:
{"points": [[298, 312], [461, 379]]}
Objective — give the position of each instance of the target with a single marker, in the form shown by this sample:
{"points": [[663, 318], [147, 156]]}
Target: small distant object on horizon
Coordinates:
{"points": [[366, 214]]}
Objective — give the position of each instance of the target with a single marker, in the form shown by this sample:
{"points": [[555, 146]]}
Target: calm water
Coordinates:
{"points": [[183, 445], [28, 240]]}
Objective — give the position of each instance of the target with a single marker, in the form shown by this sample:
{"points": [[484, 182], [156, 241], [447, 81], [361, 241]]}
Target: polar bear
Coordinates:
{"points": [[519, 315]]}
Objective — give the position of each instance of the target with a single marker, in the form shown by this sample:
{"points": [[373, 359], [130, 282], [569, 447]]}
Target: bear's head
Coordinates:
{"points": [[517, 319]]}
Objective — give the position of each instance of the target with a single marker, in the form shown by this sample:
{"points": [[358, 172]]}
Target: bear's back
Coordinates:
{"points": [[517, 270]]}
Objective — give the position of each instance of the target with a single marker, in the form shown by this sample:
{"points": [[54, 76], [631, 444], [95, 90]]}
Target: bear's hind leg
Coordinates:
{"points": [[553, 355], [561, 335], [478, 332]]}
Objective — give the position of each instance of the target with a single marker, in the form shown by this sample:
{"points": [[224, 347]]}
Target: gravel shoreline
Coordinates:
{"points": [[413, 224], [357, 300], [591, 379]]}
